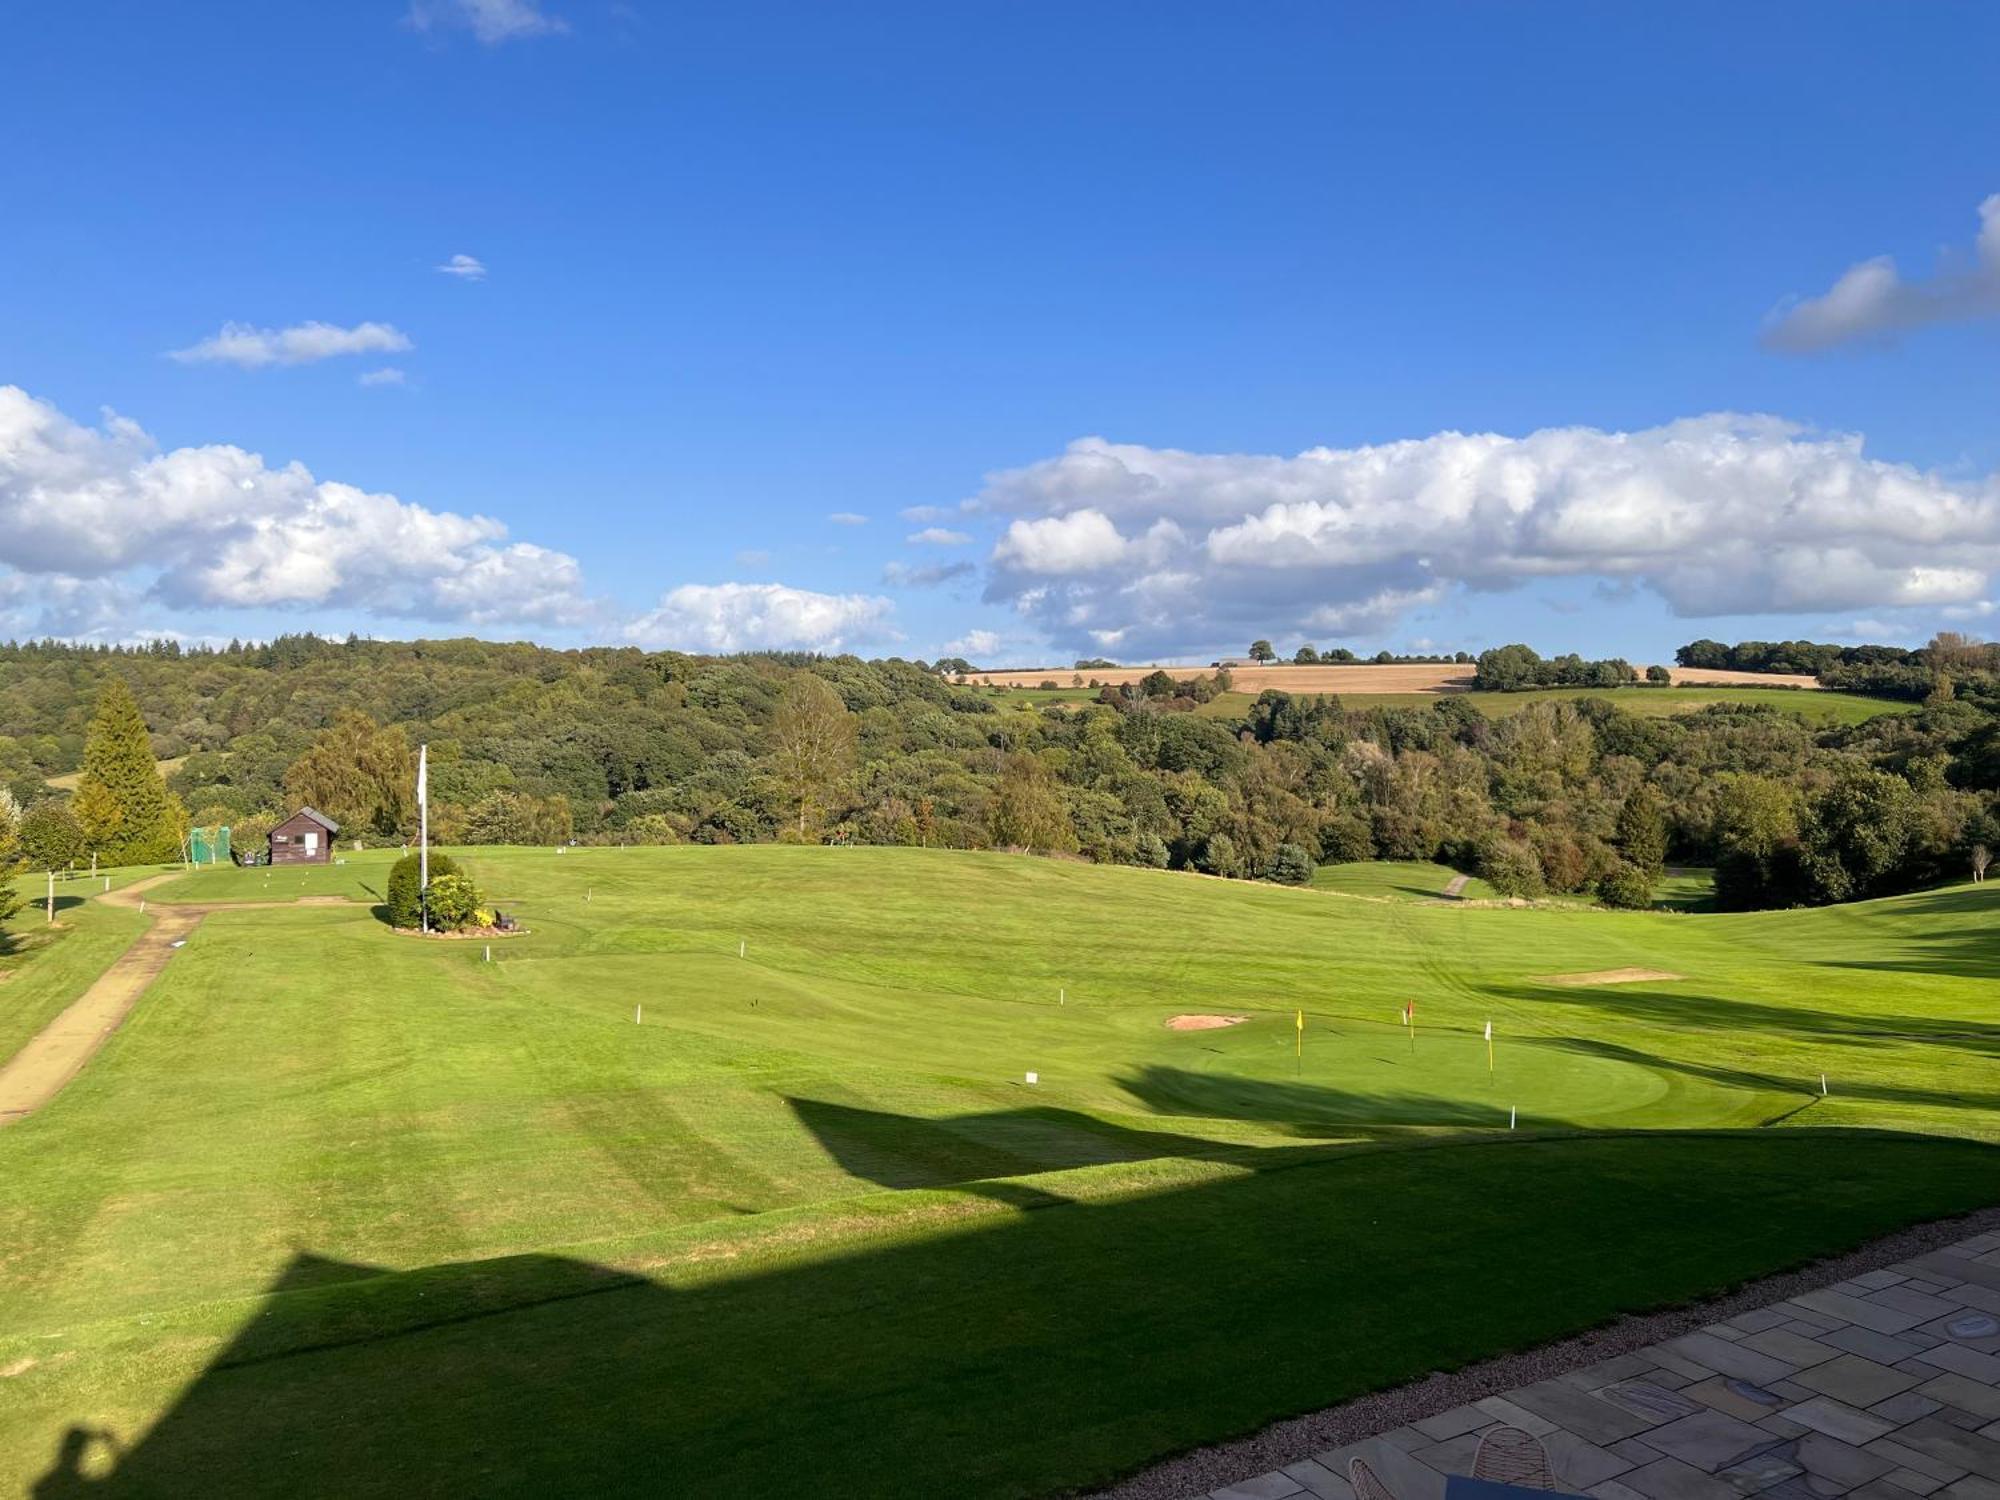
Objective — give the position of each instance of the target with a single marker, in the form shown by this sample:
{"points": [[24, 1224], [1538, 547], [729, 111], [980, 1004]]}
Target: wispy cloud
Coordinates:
{"points": [[387, 376], [464, 267], [847, 518], [301, 344], [938, 536], [1872, 301], [490, 21], [904, 576]]}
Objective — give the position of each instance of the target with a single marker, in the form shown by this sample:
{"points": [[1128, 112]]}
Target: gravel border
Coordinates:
{"points": [[1204, 1469]]}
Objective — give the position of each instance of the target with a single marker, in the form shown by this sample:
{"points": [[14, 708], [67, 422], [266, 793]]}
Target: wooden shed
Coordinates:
{"points": [[305, 838]]}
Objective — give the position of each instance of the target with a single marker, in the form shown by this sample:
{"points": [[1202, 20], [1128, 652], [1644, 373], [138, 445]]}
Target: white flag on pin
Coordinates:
{"points": [[1489, 1031]]}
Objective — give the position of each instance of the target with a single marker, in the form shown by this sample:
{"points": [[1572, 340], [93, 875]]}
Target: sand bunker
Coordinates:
{"points": [[1203, 1023], [1608, 976]]}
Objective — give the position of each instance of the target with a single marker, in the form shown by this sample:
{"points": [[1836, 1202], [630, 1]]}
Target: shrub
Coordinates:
{"points": [[1625, 887], [1219, 856], [404, 895], [1150, 849], [453, 901], [1291, 865], [1659, 676]]}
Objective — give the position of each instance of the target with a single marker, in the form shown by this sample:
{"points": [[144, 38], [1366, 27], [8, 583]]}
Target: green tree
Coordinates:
{"points": [[815, 737], [1626, 887], [1642, 831], [1291, 865], [1306, 655], [127, 813], [1027, 811], [360, 774], [1261, 651], [51, 837]]}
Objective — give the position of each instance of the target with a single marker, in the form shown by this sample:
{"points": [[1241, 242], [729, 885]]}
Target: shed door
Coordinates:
{"points": [[312, 842]]}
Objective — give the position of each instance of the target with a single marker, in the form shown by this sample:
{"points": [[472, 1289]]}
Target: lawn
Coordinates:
{"points": [[1398, 880], [369, 1208]]}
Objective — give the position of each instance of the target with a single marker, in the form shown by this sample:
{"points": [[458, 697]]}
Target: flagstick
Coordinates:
{"points": [[423, 837]]}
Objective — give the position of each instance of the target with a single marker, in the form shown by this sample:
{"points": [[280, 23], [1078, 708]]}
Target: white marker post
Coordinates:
{"points": [[489, 953], [638, 1015], [741, 947], [52, 895], [1033, 1077], [1062, 997], [1513, 1116], [1822, 1085]]}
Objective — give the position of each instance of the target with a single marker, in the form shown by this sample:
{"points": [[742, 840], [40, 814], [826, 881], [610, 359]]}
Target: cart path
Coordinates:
{"points": [[1455, 887], [57, 1053]]}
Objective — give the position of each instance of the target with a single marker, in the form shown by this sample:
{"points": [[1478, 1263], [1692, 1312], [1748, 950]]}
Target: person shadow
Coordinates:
{"points": [[72, 1473]]}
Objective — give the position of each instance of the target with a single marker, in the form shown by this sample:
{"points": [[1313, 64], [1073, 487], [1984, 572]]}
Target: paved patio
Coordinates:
{"points": [[1883, 1387]]}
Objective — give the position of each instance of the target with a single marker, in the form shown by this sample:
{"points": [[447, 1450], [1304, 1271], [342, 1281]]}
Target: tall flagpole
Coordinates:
{"points": [[423, 836]]}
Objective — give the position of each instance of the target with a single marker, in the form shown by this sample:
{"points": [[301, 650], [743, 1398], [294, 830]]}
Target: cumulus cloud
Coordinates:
{"points": [[760, 617], [938, 536], [974, 643], [490, 21], [464, 267], [1872, 301], [904, 575], [847, 518], [1158, 549], [301, 344], [86, 509]]}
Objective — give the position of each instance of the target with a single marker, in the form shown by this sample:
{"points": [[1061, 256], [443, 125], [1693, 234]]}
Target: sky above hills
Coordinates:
{"points": [[1020, 332]]}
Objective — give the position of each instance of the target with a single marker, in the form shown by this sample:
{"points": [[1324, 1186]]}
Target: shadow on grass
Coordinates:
{"points": [[1305, 1109], [1680, 1007], [925, 1342]]}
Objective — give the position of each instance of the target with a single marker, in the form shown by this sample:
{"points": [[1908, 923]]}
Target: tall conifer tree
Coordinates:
{"points": [[128, 816]]}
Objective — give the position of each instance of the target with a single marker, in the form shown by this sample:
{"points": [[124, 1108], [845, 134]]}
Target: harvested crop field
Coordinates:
{"points": [[1436, 677]]}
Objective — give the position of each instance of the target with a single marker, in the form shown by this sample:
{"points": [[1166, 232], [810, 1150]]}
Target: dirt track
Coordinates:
{"points": [[1442, 677], [58, 1052]]}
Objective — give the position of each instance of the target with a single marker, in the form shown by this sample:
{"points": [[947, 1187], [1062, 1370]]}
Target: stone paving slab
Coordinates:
{"points": [[1885, 1386]]}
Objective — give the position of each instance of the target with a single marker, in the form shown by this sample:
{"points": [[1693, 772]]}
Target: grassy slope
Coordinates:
{"points": [[43, 968], [303, 1083], [1399, 880]]}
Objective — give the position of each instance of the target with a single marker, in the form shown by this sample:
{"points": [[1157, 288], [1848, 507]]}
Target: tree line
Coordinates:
{"points": [[532, 745]]}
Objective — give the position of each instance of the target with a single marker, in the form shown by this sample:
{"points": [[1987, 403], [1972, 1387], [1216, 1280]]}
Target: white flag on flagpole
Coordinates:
{"points": [[1489, 1031]]}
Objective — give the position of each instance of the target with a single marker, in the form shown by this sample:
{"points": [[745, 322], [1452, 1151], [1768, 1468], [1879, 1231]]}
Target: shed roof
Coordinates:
{"points": [[318, 817]]}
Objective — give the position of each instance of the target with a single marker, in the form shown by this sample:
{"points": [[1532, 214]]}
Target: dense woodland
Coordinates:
{"points": [[606, 745]]}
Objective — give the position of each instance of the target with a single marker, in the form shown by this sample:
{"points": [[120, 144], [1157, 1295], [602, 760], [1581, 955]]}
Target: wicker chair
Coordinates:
{"points": [[1507, 1455], [1366, 1485]]}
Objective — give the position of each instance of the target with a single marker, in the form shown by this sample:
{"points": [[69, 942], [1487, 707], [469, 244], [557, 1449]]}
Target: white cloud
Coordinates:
{"points": [[917, 515], [301, 344], [974, 643], [1162, 549], [938, 536], [760, 617], [752, 557], [464, 267], [1871, 301], [847, 518], [388, 376], [217, 527], [491, 21]]}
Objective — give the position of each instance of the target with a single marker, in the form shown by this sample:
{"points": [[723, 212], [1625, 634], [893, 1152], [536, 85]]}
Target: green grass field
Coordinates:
{"points": [[1414, 880], [1824, 708], [360, 1212]]}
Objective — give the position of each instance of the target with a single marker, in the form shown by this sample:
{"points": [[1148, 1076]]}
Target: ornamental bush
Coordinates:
{"points": [[405, 907]]}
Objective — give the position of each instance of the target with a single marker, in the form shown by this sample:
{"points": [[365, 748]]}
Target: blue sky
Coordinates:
{"points": [[1071, 288]]}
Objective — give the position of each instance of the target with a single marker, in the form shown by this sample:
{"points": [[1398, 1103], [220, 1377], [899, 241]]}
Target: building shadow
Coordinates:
{"points": [[924, 1342]]}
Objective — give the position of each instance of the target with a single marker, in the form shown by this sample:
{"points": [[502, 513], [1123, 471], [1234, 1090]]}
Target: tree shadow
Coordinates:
{"points": [[914, 1343]]}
